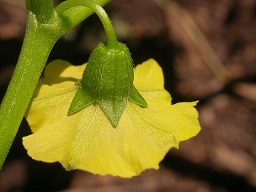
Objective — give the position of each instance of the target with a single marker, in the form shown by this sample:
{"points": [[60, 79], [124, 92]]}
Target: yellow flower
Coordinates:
{"points": [[86, 140]]}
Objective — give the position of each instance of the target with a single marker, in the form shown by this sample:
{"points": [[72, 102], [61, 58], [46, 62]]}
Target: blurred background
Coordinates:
{"points": [[207, 49]]}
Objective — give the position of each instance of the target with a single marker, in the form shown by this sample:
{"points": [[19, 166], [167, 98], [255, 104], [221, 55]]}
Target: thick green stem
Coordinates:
{"points": [[35, 51], [43, 9]]}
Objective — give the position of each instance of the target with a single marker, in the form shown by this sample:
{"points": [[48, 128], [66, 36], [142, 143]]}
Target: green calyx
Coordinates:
{"points": [[108, 81], [108, 77]]}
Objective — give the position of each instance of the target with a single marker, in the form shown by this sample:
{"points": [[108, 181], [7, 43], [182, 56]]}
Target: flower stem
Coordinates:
{"points": [[108, 27]]}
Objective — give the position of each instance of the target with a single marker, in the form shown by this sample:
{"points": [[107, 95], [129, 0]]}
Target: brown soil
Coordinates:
{"points": [[207, 49]]}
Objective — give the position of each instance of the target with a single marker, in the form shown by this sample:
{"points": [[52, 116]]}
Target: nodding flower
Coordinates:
{"points": [[87, 139]]}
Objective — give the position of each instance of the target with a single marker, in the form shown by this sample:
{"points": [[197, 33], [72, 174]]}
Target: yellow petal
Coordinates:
{"points": [[49, 108], [88, 141], [180, 119], [60, 79], [148, 76], [59, 71]]}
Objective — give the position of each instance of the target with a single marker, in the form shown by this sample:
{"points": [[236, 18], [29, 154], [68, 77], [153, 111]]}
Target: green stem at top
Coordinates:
{"points": [[101, 13], [43, 9], [44, 27]]}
